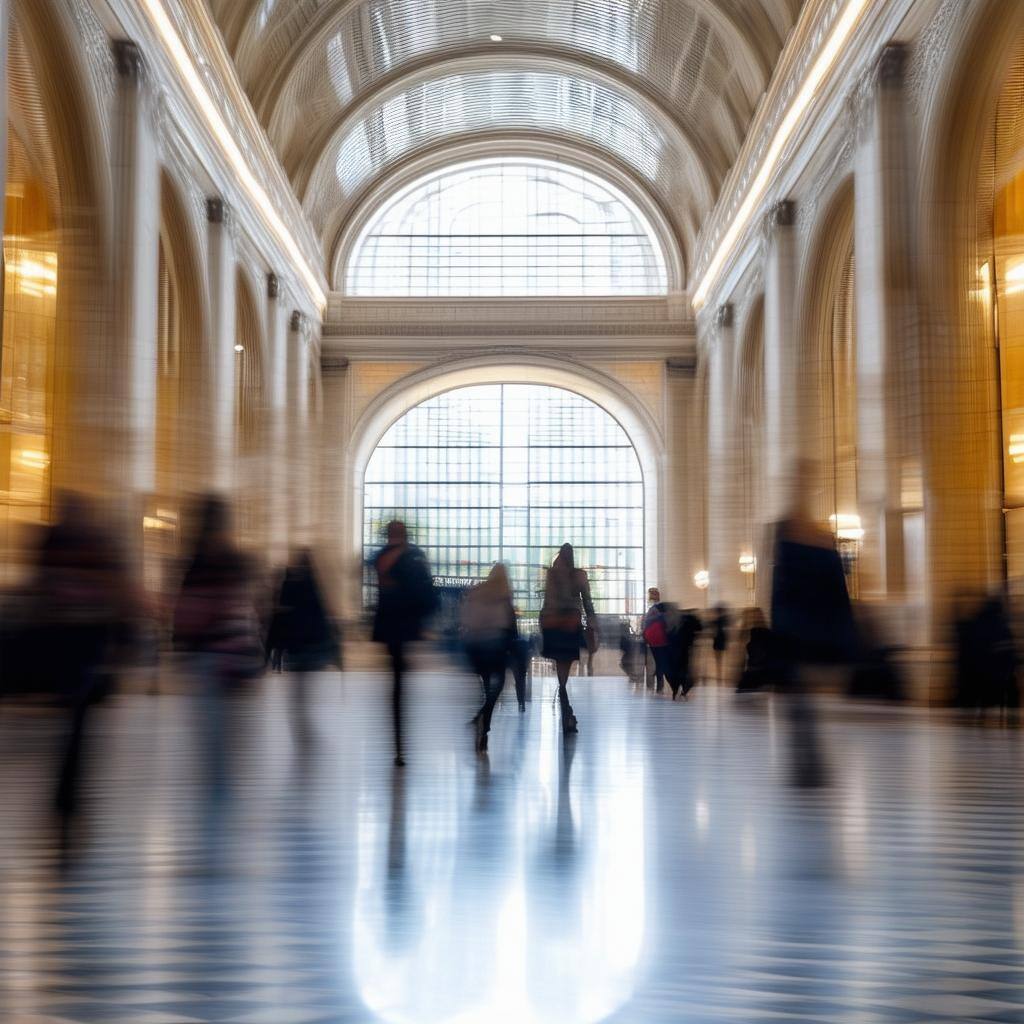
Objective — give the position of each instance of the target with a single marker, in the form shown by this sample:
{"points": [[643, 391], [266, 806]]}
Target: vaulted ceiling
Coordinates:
{"points": [[351, 91]]}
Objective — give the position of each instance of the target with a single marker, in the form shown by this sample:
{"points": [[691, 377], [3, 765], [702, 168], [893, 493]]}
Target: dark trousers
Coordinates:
{"points": [[494, 683], [70, 773], [396, 651], [662, 666]]}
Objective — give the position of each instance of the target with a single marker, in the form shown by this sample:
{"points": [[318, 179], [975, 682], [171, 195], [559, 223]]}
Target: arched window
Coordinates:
{"points": [[507, 227], [508, 472]]}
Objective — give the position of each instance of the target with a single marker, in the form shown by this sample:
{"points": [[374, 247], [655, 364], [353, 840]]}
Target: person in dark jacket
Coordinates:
{"points": [[304, 634], [489, 630], [811, 619], [684, 639], [720, 623], [757, 668], [81, 595], [405, 600], [215, 624]]}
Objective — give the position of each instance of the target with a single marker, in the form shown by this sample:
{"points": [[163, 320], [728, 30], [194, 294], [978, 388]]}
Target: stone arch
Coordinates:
{"points": [[527, 368]]}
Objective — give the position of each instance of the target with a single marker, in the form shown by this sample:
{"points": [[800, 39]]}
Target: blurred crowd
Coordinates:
{"points": [[82, 619]]}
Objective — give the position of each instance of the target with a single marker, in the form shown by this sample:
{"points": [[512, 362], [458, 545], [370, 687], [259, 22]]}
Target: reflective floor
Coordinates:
{"points": [[658, 868]]}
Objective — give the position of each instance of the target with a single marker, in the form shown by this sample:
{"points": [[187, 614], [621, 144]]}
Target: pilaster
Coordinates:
{"points": [[300, 511], [783, 394], [221, 413], [128, 370], [887, 376]]}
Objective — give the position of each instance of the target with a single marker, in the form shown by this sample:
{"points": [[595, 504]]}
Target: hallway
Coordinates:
{"points": [[660, 871]]}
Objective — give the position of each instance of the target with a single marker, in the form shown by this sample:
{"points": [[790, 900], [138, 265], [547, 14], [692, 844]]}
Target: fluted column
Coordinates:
{"points": [[725, 507], [221, 413], [782, 384], [300, 513], [5, 30], [277, 426], [886, 325], [127, 369]]}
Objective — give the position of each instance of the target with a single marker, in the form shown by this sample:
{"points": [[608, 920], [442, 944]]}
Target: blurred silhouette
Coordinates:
{"points": [[405, 599], [758, 668], [877, 674], [80, 591], [720, 622], [304, 634], [489, 630], [683, 638], [656, 635], [634, 653], [215, 624], [811, 619], [986, 660], [566, 599]]}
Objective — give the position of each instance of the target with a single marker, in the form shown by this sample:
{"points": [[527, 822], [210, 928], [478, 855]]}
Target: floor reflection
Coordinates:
{"points": [[518, 898]]}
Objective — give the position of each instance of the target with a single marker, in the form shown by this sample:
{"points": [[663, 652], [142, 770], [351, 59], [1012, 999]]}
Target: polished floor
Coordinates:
{"points": [[657, 868]]}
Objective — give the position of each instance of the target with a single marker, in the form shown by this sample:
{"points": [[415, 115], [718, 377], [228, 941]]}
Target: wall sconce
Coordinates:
{"points": [[1016, 448], [846, 526], [33, 458], [748, 564], [702, 579]]}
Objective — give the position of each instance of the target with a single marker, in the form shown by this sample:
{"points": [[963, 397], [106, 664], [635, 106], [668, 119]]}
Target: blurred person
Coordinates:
{"points": [[566, 600], [81, 595], [877, 674], [987, 660], [405, 599], [811, 618], [720, 622], [656, 636], [756, 674], [633, 651], [304, 635], [684, 640], [489, 630], [215, 624]]}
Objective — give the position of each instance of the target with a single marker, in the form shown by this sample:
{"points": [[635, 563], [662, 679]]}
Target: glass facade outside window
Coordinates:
{"points": [[508, 472], [508, 227]]}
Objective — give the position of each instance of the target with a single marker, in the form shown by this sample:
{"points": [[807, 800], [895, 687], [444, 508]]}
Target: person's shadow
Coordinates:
{"points": [[402, 917]]}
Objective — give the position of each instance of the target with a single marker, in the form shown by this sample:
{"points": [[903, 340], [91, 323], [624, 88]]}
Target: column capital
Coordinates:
{"points": [[891, 64], [297, 323], [273, 286], [724, 315], [332, 362], [128, 60], [216, 210], [782, 214]]}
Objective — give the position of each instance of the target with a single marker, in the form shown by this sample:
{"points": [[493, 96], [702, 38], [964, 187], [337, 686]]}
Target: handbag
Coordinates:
{"points": [[592, 639]]}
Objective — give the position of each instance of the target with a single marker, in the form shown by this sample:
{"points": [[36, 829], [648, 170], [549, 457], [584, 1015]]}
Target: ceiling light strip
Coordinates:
{"points": [[179, 55], [755, 193]]}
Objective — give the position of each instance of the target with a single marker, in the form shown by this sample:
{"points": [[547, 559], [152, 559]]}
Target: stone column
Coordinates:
{"points": [[221, 414], [335, 529], [886, 325], [685, 496], [782, 383], [300, 513], [277, 425], [725, 511], [127, 370], [5, 31]]}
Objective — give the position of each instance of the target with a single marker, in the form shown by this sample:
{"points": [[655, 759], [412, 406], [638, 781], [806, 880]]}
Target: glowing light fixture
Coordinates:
{"points": [[1014, 275], [239, 348], [1015, 449], [32, 458], [702, 579], [495, 38], [748, 563], [847, 526], [841, 32], [175, 49]]}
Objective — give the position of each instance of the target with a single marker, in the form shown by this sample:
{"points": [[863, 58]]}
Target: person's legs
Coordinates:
{"points": [[396, 649], [495, 683], [301, 726], [562, 669], [662, 667]]}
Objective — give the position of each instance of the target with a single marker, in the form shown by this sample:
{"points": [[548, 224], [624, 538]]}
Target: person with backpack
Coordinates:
{"points": [[489, 631], [405, 600], [656, 636]]}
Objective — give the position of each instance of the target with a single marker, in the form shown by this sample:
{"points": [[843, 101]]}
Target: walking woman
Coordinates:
{"points": [[490, 630], [566, 599]]}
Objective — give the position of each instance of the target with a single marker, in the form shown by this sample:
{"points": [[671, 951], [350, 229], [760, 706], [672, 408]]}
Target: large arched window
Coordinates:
{"points": [[507, 227], [508, 472]]}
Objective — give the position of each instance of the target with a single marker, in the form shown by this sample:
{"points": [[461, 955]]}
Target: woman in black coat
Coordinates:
{"points": [[304, 634]]}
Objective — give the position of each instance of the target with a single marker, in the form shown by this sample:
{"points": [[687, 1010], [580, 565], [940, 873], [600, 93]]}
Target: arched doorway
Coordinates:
{"points": [[507, 472]]}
